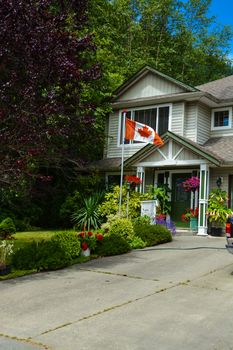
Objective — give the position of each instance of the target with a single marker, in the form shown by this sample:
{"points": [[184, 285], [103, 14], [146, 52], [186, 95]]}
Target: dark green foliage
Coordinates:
{"points": [[7, 228], [112, 244], [178, 38], [71, 204], [48, 255], [153, 234], [88, 217]]}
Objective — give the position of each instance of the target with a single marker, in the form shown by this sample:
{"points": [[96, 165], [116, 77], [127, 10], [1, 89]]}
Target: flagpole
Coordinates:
{"points": [[122, 162]]}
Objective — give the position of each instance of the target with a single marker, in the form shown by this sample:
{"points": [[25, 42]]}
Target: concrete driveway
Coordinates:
{"points": [[174, 296]]}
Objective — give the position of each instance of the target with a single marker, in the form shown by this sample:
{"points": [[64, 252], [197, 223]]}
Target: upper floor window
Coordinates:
{"points": [[156, 117], [221, 118]]}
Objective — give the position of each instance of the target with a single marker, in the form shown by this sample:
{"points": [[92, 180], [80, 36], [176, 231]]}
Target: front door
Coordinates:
{"points": [[180, 200]]}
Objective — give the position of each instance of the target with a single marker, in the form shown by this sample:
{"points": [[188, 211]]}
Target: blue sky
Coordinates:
{"points": [[223, 10]]}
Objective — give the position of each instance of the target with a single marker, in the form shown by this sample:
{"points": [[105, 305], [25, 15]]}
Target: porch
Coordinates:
{"points": [[173, 163]]}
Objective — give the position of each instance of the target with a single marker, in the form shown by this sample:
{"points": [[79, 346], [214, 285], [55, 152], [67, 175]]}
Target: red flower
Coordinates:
{"points": [[81, 234], [133, 179], [89, 233], [190, 213], [84, 245], [99, 236]]}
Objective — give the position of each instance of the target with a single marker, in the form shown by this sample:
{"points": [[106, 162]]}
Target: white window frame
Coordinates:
{"points": [[229, 109], [131, 144]]}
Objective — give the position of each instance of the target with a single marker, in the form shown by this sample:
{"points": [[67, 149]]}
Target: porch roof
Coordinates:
{"points": [[221, 146], [106, 164], [204, 152]]}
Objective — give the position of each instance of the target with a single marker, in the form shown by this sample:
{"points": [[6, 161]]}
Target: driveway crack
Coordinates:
{"points": [[119, 274]]}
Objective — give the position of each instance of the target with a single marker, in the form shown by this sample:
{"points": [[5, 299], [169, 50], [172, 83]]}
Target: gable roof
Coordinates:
{"points": [[141, 73], [202, 151], [221, 88]]}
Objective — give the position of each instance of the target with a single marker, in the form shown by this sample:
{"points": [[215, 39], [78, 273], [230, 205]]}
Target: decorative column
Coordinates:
{"points": [[203, 200], [141, 175]]}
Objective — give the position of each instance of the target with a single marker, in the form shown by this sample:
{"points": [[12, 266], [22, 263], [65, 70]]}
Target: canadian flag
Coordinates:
{"points": [[141, 132]]}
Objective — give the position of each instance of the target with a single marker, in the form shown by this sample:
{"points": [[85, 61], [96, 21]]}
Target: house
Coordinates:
{"points": [[197, 128]]}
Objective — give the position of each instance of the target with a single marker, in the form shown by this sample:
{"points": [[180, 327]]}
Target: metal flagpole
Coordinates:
{"points": [[122, 162]]}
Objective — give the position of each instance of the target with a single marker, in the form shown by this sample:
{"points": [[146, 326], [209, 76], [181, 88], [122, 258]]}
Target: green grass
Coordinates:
{"points": [[37, 235], [22, 238]]}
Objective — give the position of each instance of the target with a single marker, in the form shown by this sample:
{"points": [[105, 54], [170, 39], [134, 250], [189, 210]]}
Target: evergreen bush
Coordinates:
{"points": [[7, 228], [112, 244], [152, 234], [122, 227], [48, 255]]}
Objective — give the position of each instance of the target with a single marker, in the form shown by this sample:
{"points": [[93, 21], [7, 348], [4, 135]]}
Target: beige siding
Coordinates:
{"points": [[190, 125], [113, 148], [226, 132], [150, 85], [177, 119], [203, 124], [185, 154], [220, 172]]}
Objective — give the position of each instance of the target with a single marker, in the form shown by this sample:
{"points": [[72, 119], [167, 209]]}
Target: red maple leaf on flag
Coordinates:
{"points": [[144, 132]]}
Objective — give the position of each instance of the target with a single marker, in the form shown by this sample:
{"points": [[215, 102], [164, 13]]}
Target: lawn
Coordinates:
{"points": [[37, 235], [22, 238]]}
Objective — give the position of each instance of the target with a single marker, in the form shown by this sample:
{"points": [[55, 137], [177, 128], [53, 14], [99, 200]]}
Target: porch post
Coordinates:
{"points": [[203, 199], [141, 175]]}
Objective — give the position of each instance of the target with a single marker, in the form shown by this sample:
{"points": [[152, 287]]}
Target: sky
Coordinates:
{"points": [[223, 10]]}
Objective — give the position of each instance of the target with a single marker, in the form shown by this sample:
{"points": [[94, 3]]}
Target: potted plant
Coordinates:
{"points": [[191, 216], [6, 249], [217, 212], [132, 181], [192, 184], [88, 241]]}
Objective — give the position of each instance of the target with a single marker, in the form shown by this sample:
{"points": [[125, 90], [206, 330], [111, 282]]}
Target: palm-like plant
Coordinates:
{"points": [[88, 217]]}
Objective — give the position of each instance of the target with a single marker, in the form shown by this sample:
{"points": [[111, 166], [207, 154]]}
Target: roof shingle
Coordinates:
{"points": [[221, 88]]}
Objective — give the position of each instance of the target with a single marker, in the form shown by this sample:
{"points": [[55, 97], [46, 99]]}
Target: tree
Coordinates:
{"points": [[175, 37], [46, 66]]}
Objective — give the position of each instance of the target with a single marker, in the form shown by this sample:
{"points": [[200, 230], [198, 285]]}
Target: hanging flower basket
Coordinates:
{"points": [[132, 181], [192, 184]]}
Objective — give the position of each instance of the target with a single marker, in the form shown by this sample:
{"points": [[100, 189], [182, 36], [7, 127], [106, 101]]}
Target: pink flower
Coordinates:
{"points": [[191, 184]]}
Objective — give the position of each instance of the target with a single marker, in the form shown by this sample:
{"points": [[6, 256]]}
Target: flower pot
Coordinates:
{"points": [[5, 270], [193, 224], [216, 231], [86, 252]]}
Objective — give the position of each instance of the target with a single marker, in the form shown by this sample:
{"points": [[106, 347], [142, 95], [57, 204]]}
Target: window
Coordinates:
{"points": [[221, 118], [156, 117]]}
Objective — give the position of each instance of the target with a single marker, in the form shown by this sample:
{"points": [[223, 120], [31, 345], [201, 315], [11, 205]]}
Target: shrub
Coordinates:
{"points": [[88, 217], [153, 234], [142, 220], [122, 227], [136, 243], [110, 206], [112, 244], [7, 228], [48, 255], [71, 204]]}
